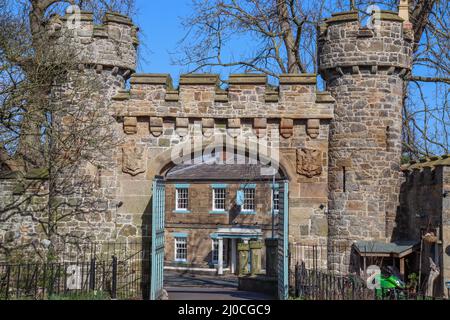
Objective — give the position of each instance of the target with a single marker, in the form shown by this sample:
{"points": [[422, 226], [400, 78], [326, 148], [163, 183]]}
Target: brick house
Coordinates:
{"points": [[204, 218]]}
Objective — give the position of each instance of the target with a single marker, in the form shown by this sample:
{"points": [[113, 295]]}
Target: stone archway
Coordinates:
{"points": [[156, 119], [158, 165], [232, 227]]}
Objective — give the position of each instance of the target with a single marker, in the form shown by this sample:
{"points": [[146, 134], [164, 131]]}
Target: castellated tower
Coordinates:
{"points": [[109, 49], [364, 70], [103, 59]]}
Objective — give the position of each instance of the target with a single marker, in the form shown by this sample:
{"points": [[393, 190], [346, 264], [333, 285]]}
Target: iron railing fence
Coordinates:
{"points": [[318, 257], [322, 285], [89, 270]]}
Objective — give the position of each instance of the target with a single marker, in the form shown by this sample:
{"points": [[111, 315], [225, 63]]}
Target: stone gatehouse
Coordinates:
{"points": [[340, 149]]}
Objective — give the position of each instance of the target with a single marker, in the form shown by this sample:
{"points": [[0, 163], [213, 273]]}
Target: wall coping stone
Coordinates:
{"points": [[287, 79], [350, 16], [33, 174], [122, 95], [37, 174], [343, 16], [248, 78], [11, 175], [151, 78], [324, 97], [388, 15], [200, 79], [117, 18]]}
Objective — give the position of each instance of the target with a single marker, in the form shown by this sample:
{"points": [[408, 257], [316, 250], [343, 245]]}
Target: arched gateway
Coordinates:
{"points": [[286, 127], [292, 120]]}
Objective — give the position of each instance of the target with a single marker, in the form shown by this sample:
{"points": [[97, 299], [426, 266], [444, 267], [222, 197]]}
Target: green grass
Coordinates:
{"points": [[81, 296]]}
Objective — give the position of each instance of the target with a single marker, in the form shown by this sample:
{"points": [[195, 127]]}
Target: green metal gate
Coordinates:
{"points": [[283, 243], [157, 257]]}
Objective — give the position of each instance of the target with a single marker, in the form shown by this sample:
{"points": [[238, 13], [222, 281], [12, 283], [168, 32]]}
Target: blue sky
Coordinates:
{"points": [[161, 30]]}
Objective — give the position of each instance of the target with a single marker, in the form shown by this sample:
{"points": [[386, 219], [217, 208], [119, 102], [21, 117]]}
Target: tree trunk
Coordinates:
{"points": [[30, 138], [288, 36]]}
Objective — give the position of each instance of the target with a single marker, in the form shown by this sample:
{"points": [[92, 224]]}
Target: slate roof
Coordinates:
{"points": [[427, 163], [373, 248], [217, 172]]}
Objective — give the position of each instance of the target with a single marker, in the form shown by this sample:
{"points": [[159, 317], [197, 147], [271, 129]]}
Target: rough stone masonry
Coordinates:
{"points": [[340, 148], [364, 70]]}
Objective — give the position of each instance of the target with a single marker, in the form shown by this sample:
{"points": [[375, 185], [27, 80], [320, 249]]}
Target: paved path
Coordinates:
{"points": [[197, 293], [203, 287], [173, 279]]}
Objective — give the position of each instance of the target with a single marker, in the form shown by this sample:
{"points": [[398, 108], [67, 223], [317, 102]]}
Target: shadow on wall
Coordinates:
{"points": [[234, 213], [402, 227], [146, 232]]}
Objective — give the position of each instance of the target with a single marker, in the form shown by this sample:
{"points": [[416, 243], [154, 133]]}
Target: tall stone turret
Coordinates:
{"points": [[364, 70], [109, 48], [100, 59]]}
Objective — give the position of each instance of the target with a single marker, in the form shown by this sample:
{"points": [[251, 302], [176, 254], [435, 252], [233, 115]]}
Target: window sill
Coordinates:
{"points": [[181, 211], [181, 262], [248, 212], [215, 265], [218, 212]]}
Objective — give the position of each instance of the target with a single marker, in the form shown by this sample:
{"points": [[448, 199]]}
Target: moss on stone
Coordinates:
{"points": [[37, 174], [19, 188], [11, 175]]}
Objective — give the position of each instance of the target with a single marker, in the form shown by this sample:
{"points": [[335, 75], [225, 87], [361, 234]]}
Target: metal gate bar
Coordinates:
{"points": [[157, 257]]}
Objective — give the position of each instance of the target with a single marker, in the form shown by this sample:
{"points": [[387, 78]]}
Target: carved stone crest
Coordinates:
{"points": [[133, 160], [309, 162]]}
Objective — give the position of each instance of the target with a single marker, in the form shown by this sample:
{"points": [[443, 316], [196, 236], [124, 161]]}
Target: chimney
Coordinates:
{"points": [[403, 10]]}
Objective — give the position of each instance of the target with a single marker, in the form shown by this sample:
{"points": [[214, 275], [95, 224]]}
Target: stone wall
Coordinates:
{"points": [[425, 207], [446, 229], [111, 45], [84, 195], [151, 118], [364, 71], [157, 118], [22, 201]]}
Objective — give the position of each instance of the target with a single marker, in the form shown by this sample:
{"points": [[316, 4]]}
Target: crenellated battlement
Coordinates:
{"points": [[111, 45], [247, 96], [346, 47]]}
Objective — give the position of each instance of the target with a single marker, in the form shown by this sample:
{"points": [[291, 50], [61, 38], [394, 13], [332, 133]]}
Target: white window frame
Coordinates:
{"points": [[177, 241], [214, 208], [215, 252], [253, 190], [277, 191], [177, 207]]}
